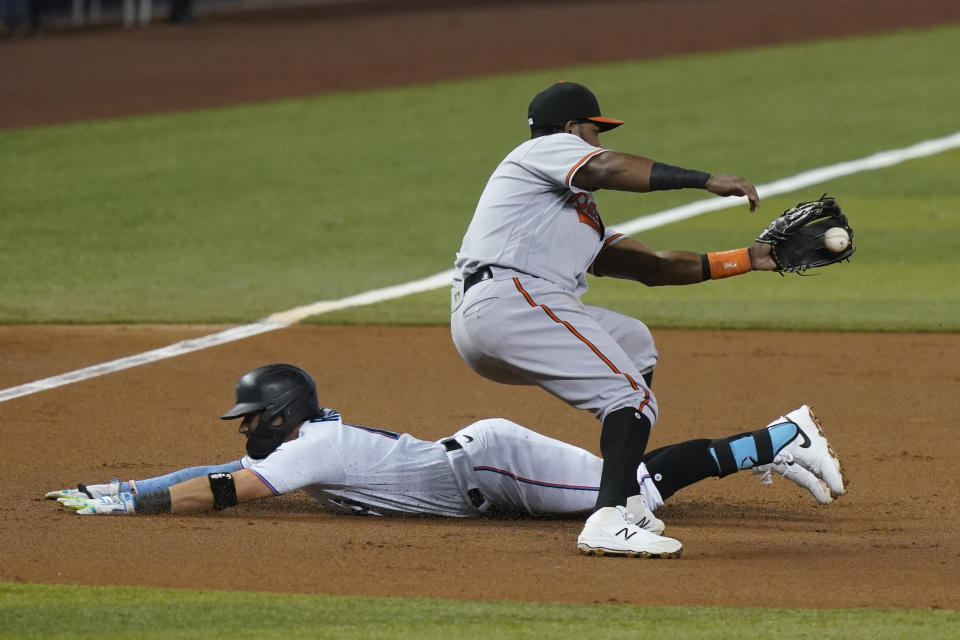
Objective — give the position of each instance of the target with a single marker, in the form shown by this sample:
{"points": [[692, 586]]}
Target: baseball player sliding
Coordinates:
{"points": [[517, 317], [492, 466]]}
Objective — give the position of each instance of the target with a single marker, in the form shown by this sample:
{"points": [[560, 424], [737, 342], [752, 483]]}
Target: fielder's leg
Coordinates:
{"points": [[625, 432], [545, 336], [633, 336], [623, 442]]}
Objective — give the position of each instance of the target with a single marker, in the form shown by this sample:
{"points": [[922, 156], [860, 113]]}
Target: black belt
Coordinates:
{"points": [[476, 498], [481, 274]]}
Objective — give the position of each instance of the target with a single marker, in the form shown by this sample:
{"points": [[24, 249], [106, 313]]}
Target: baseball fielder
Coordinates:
{"points": [[492, 466], [516, 313]]}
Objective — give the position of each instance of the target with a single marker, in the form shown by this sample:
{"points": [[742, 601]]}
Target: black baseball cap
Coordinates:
{"points": [[567, 101]]}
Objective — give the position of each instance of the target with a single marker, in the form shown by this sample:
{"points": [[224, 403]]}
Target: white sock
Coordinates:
{"points": [[649, 491]]}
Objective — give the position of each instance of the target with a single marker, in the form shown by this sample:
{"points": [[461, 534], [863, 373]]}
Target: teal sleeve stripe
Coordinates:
{"points": [[167, 481]]}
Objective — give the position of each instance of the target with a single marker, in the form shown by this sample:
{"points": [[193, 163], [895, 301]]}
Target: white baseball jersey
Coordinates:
{"points": [[539, 233], [367, 470]]}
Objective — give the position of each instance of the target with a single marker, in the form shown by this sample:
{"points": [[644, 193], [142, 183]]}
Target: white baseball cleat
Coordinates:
{"points": [[811, 451], [610, 532], [640, 515], [784, 465]]}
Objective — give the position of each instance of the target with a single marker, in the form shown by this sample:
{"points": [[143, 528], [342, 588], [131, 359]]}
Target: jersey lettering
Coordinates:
{"points": [[586, 210]]}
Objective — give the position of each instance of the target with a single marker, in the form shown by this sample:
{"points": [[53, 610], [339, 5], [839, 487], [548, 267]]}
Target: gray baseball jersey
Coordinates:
{"points": [[538, 234], [530, 217]]}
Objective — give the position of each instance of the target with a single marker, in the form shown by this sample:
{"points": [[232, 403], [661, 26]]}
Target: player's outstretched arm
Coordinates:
{"points": [[213, 491], [628, 172], [616, 171], [198, 494], [116, 487], [633, 260]]}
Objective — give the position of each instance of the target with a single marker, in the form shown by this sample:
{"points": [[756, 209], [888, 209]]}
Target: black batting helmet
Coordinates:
{"points": [[274, 390]]}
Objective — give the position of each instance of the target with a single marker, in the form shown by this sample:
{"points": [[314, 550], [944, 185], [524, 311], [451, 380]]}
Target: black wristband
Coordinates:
{"points": [[704, 266], [666, 176], [224, 491], [152, 502]]}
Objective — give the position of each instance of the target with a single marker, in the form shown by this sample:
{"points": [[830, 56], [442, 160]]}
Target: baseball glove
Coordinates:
{"points": [[796, 237]]}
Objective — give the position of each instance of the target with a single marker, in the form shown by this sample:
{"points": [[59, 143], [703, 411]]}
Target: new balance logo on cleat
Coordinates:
{"points": [[640, 515], [610, 531]]}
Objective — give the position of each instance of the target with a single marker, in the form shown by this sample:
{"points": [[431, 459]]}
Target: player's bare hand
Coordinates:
{"points": [[722, 184], [761, 257]]}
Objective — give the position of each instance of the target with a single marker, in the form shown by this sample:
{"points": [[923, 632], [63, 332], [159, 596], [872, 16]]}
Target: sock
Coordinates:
{"points": [[622, 443], [679, 465], [649, 491], [751, 449]]}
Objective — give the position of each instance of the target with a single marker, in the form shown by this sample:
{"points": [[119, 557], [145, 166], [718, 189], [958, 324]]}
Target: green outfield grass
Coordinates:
{"points": [[227, 215], [48, 611]]}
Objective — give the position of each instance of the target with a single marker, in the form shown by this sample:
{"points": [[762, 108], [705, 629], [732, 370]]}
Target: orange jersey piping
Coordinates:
{"points": [[571, 329], [579, 164]]}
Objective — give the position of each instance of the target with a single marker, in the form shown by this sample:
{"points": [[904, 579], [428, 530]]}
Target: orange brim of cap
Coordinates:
{"points": [[606, 123]]}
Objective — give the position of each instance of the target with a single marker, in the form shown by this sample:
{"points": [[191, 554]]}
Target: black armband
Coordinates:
{"points": [[666, 176], [152, 502], [224, 491]]}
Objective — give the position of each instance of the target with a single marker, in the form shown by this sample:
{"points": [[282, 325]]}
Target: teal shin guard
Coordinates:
{"points": [[751, 449]]}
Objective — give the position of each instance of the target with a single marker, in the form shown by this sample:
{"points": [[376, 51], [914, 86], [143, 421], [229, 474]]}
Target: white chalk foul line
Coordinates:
{"points": [[176, 349], [287, 318], [429, 283]]}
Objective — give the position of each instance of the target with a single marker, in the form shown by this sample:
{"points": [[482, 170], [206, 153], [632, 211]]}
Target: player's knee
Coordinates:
{"points": [[639, 345], [648, 378], [482, 431], [641, 401]]}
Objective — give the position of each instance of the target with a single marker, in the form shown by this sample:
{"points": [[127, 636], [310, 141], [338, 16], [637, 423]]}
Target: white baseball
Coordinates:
{"points": [[837, 239]]}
